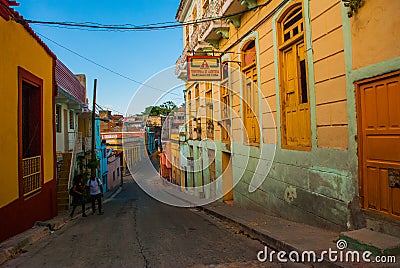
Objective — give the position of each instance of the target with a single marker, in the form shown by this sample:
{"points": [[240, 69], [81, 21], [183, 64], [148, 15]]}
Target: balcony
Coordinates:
{"points": [[215, 31], [212, 31], [232, 7], [180, 68], [31, 175]]}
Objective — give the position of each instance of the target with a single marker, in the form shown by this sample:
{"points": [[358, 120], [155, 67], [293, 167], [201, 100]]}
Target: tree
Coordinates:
{"points": [[163, 109]]}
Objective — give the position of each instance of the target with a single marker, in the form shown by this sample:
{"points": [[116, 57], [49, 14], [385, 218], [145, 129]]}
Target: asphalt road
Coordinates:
{"points": [[138, 231]]}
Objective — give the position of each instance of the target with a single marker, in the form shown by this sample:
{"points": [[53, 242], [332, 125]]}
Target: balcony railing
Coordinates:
{"points": [[87, 144], [213, 10], [31, 175], [75, 141]]}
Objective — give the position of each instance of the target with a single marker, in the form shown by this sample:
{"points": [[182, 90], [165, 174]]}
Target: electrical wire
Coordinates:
{"points": [[131, 27], [106, 68]]}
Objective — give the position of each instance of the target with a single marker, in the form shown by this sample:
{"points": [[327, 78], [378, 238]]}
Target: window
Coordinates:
{"points": [[295, 104], [197, 112], [205, 4], [190, 127], [250, 94], [71, 120], [225, 105], [194, 17], [187, 34], [58, 118], [209, 112]]}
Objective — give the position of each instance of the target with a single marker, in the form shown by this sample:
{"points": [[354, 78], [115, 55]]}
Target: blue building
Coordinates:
{"points": [[101, 155]]}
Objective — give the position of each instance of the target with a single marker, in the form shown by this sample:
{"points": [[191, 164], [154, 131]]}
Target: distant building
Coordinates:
{"points": [[114, 178], [110, 122]]}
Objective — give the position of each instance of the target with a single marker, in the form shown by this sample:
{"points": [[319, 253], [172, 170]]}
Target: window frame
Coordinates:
{"points": [[25, 76], [58, 118], [209, 110], [302, 140], [71, 116], [225, 99], [252, 96]]}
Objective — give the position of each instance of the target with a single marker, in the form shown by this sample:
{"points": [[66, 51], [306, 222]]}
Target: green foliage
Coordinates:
{"points": [[92, 164], [164, 109], [353, 5]]}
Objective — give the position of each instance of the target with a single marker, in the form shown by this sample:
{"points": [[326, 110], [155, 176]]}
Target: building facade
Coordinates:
{"points": [[70, 101], [27, 83], [284, 128], [114, 178]]}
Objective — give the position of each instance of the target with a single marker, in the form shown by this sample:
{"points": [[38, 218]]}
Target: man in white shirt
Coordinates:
{"points": [[96, 192]]}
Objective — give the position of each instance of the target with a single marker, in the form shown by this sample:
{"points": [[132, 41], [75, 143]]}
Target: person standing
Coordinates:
{"points": [[78, 197], [96, 193]]}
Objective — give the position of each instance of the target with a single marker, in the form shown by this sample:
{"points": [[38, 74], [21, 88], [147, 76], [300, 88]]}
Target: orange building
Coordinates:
{"points": [[28, 176], [305, 122]]}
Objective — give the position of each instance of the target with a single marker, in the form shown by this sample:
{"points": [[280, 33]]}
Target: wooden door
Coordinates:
{"points": [[379, 144], [295, 101], [227, 178], [250, 106]]}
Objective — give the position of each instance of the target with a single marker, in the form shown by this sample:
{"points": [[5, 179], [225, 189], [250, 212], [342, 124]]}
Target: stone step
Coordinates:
{"points": [[62, 187], [62, 207], [63, 174], [366, 239], [63, 183], [381, 223], [62, 195]]}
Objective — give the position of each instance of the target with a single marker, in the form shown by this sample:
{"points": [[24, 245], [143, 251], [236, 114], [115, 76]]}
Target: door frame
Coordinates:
{"points": [[360, 137]]}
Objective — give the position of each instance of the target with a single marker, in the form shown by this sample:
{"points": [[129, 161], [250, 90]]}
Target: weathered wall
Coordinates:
{"points": [[375, 34], [316, 186]]}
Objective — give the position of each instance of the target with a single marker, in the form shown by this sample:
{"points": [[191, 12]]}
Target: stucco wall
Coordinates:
{"points": [[114, 172], [375, 33], [316, 186]]}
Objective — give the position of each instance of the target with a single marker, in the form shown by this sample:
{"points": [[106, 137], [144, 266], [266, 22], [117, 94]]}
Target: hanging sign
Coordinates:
{"points": [[204, 68]]}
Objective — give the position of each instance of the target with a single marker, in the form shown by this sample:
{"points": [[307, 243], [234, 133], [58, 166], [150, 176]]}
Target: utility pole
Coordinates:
{"points": [[93, 160]]}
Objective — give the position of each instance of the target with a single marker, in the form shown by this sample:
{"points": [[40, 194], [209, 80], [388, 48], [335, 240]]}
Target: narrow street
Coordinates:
{"points": [[137, 231]]}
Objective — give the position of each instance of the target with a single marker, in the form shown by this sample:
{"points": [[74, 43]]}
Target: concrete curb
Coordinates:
{"points": [[17, 244], [273, 242]]}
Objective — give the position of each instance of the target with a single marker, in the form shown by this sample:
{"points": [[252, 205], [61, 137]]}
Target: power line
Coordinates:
{"points": [[131, 27], [105, 68], [108, 109]]}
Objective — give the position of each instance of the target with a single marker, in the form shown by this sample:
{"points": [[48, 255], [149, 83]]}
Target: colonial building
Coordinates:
{"points": [[27, 85], [303, 124]]}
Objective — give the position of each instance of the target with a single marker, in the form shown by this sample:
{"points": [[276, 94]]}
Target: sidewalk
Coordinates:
{"points": [[284, 235], [16, 245]]}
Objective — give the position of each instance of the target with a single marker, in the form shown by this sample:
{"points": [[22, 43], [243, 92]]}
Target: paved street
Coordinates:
{"points": [[137, 231]]}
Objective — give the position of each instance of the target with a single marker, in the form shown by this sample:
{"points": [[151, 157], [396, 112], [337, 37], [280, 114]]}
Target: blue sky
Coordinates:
{"points": [[137, 55]]}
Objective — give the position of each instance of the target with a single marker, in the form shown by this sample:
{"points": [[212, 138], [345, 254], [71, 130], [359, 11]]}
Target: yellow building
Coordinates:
{"points": [[28, 180], [281, 131]]}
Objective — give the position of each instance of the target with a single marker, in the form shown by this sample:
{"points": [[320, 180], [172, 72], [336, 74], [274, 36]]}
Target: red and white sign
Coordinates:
{"points": [[204, 68]]}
